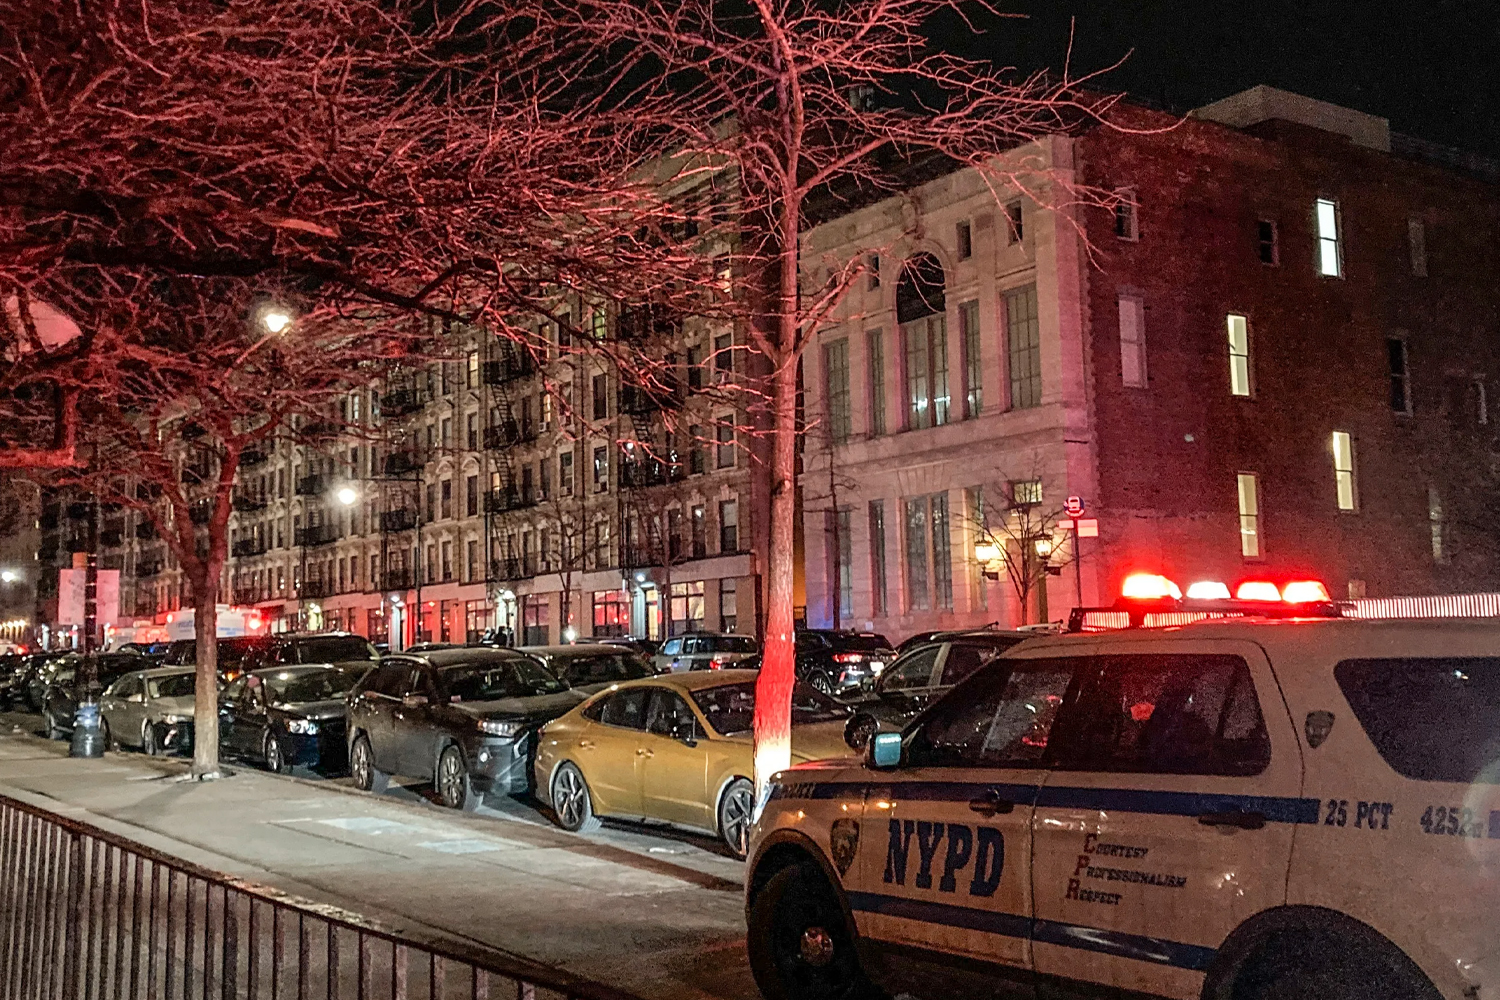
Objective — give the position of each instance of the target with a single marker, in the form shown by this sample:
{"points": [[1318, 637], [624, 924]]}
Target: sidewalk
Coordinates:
{"points": [[656, 916]]}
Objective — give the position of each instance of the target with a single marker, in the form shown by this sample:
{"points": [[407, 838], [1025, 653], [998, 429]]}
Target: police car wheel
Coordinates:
{"points": [[800, 945], [571, 804], [1319, 966]]}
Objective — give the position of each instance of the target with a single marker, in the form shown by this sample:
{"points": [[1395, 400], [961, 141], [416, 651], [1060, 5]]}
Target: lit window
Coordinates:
{"points": [[1125, 215], [1249, 490], [1330, 253], [1239, 356], [1400, 379], [1343, 470], [1416, 242], [875, 354], [968, 331], [1023, 341], [1133, 341], [836, 377], [1026, 493]]}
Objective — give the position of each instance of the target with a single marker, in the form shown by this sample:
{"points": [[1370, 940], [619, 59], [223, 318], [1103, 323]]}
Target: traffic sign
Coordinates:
{"points": [[1087, 527], [1074, 506]]}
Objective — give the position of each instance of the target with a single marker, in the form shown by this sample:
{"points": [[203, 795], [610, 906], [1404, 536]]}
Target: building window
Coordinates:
{"points": [[1023, 341], [565, 474], [917, 596], [447, 487], [1125, 215], [724, 443], [471, 560], [942, 562], [1343, 471], [836, 388], [1239, 355], [729, 617], [447, 561], [534, 620], [598, 323], [686, 601], [472, 431], [471, 370], [1481, 402], [699, 528], [729, 526], [432, 564], [601, 397], [1395, 352], [926, 372], [1435, 524], [1269, 247], [968, 331], [1249, 491], [873, 264], [979, 530], [1132, 341], [1026, 492], [601, 470], [695, 366], [1416, 243], [611, 614], [471, 496], [843, 527], [1014, 222], [724, 354], [431, 502], [965, 234], [877, 558], [875, 353], [696, 464], [528, 492], [1330, 249], [544, 480]]}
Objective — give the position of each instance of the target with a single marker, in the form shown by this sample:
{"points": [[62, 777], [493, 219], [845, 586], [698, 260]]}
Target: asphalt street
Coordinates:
{"points": [[651, 910]]}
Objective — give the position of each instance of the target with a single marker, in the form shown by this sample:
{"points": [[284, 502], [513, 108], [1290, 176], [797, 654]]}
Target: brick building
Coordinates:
{"points": [[1272, 357]]}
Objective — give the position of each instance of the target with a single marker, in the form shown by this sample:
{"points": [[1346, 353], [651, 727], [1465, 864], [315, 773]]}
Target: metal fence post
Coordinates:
{"points": [[72, 946]]}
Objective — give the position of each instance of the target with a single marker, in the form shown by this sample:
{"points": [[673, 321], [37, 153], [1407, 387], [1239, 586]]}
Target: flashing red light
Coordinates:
{"points": [[1149, 587], [169, 617], [252, 620], [1257, 590], [1208, 590], [1304, 592]]}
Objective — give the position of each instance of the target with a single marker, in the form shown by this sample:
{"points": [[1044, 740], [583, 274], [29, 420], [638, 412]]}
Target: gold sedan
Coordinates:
{"points": [[675, 748]]}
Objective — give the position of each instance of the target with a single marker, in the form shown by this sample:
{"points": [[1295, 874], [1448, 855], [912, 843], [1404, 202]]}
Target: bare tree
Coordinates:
{"points": [[785, 100], [1014, 520]]}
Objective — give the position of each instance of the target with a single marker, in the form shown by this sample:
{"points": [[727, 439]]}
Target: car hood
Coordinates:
{"points": [[314, 709], [812, 741], [538, 707], [174, 706]]}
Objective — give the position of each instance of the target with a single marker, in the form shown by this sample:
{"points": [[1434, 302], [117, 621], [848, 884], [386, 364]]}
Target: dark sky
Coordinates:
{"points": [[1432, 68]]}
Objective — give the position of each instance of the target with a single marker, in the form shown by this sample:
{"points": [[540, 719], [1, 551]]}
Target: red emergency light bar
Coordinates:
{"points": [[1150, 600]]}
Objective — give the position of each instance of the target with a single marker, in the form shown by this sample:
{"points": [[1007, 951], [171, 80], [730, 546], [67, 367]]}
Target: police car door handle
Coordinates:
{"points": [[990, 803], [1243, 820]]}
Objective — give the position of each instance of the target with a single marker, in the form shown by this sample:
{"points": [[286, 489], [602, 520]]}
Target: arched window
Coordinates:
{"points": [[920, 310]]}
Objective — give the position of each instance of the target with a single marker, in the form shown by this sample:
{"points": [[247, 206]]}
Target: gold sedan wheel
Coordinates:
{"points": [[736, 813], [571, 802]]}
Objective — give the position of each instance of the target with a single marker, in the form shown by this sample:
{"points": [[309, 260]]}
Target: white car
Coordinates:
{"points": [[1250, 808]]}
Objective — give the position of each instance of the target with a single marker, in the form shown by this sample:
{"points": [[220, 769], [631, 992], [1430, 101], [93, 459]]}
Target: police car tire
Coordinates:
{"points": [[788, 905], [1305, 961]]}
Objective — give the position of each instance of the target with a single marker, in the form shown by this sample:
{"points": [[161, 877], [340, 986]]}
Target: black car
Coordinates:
{"points": [[646, 647], [285, 717], [31, 684], [236, 655], [60, 700], [919, 676], [11, 669], [590, 667], [838, 662], [464, 719], [942, 635]]}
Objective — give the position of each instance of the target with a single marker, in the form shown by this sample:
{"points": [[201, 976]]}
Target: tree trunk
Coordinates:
{"points": [[773, 689], [206, 691]]}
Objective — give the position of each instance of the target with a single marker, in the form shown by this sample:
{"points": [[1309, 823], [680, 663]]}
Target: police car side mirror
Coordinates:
{"points": [[884, 751]]}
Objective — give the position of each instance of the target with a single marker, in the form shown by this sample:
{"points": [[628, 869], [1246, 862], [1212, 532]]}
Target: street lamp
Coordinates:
{"points": [[347, 496], [9, 576], [989, 556], [275, 319]]}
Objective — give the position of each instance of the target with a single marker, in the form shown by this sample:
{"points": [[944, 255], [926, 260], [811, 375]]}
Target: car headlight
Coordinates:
{"points": [[509, 730], [301, 727], [176, 720]]}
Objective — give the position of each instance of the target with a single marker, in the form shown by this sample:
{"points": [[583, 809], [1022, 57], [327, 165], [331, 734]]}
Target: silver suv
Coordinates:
{"points": [[704, 651]]}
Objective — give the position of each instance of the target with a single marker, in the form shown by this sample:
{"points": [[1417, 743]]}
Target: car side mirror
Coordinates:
{"points": [[684, 733], [883, 753], [139, 699], [414, 700]]}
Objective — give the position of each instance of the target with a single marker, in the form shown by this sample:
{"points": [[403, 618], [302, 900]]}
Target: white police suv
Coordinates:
{"points": [[1285, 804]]}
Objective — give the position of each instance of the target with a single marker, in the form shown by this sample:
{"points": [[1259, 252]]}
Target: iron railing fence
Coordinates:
{"points": [[87, 915]]}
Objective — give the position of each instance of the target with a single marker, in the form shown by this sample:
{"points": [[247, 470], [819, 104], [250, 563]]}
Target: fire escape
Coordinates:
{"points": [[512, 422]]}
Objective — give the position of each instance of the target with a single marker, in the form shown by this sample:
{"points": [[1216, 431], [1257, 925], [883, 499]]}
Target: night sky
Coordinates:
{"points": [[1433, 70]]}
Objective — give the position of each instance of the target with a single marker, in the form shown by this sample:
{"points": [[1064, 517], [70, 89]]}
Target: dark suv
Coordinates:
{"points": [[920, 675], [236, 655], [838, 662], [464, 719], [241, 654]]}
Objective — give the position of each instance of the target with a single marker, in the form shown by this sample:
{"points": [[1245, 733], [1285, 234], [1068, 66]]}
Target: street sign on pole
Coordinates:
{"points": [[1074, 506]]}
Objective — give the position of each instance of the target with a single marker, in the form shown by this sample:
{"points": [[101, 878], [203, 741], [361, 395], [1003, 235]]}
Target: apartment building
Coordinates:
{"points": [[1270, 356]]}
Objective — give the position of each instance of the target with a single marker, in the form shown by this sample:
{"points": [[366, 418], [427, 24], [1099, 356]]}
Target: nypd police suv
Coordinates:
{"points": [[1285, 804]]}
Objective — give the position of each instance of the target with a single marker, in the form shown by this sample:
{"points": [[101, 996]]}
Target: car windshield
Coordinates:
{"points": [[734, 644], [860, 643], [232, 652], [730, 708], [176, 686], [294, 687], [600, 668], [490, 681], [336, 648]]}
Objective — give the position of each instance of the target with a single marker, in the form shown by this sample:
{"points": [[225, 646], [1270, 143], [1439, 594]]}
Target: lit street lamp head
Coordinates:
{"points": [[275, 319], [346, 496], [9, 576]]}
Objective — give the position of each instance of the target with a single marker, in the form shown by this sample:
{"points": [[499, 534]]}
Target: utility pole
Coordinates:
{"points": [[86, 741]]}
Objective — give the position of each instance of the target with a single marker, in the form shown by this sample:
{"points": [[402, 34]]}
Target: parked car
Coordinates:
{"points": [[464, 719], [64, 688], [703, 651], [676, 747], [32, 685], [646, 647], [235, 655], [838, 662], [590, 667], [150, 710], [155, 650], [919, 676], [285, 717], [11, 668], [942, 635]]}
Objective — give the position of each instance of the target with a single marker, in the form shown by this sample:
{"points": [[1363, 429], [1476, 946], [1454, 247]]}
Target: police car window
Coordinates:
{"points": [[1000, 717], [1166, 714], [963, 661], [627, 709], [1430, 718], [911, 671], [670, 715]]}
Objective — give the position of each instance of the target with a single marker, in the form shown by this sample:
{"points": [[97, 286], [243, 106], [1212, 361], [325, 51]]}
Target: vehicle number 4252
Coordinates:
{"points": [[1453, 821]]}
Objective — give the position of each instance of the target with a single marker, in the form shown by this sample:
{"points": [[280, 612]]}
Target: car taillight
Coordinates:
{"points": [[717, 662], [848, 657]]}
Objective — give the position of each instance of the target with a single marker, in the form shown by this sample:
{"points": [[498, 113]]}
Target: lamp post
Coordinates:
{"points": [[86, 740]]}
